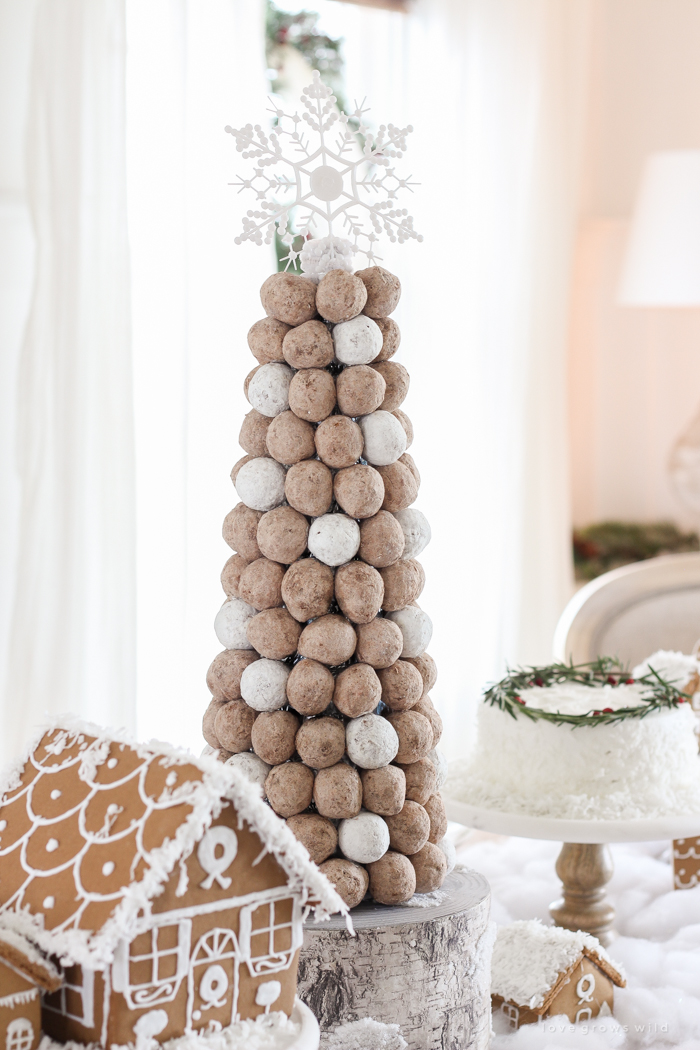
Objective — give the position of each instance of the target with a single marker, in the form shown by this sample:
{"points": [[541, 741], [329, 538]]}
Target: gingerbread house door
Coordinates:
{"points": [[213, 980]]}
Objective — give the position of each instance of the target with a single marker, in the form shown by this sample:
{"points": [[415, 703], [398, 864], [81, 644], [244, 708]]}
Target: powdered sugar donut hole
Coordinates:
{"points": [[416, 628], [371, 741], [231, 623], [260, 483], [357, 342], [440, 763], [364, 838], [266, 690], [250, 766], [268, 390], [416, 531], [385, 438], [334, 539], [448, 848]]}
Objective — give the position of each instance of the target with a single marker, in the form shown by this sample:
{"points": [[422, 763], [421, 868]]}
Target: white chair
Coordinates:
{"points": [[633, 611]]}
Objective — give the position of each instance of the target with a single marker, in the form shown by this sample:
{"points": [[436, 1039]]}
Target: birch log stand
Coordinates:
{"points": [[426, 969]]}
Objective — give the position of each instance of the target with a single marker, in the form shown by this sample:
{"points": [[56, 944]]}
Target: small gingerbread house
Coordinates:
{"points": [[539, 971], [169, 894], [24, 974]]}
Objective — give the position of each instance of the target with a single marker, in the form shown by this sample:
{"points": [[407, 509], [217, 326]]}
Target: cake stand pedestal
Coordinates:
{"points": [[585, 864]]}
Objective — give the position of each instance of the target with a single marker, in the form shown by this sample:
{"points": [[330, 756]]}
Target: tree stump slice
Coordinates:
{"points": [[427, 969]]}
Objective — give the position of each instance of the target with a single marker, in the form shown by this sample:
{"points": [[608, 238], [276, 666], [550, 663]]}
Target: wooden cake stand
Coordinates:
{"points": [[585, 862]]}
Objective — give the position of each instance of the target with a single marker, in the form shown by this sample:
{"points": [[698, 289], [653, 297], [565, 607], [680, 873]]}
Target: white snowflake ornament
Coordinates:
{"points": [[334, 179]]}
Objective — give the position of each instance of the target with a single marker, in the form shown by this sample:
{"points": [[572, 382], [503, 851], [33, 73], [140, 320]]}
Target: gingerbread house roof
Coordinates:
{"points": [[25, 957], [84, 802], [531, 962]]}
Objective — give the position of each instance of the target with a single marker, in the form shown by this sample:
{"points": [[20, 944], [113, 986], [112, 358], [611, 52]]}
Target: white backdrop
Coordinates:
{"points": [[495, 90]]}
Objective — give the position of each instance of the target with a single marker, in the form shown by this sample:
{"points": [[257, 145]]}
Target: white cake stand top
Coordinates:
{"points": [[645, 829]]}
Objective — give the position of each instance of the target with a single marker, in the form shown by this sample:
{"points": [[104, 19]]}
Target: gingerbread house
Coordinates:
{"points": [[540, 971], [168, 893], [24, 974]]}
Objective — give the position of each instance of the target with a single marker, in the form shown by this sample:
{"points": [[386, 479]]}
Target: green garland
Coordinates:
{"points": [[604, 671]]}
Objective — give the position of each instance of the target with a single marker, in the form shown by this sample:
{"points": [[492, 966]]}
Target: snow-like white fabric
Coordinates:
{"points": [[320, 255], [364, 838], [416, 531], [440, 763], [203, 801], [640, 767], [260, 483], [371, 741], [334, 538], [264, 685], [268, 390], [231, 622], [251, 766], [366, 1034], [416, 628], [529, 957], [673, 667], [357, 341], [384, 437]]}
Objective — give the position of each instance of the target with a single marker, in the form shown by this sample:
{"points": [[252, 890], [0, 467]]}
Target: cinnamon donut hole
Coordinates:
{"points": [[339, 442], [340, 296], [290, 439], [338, 792], [233, 726], [308, 346], [409, 829], [360, 389], [349, 879], [403, 584], [265, 340], [391, 336], [381, 540], [427, 668], [273, 736], [379, 642], [357, 690], [406, 424], [359, 490], [400, 486], [397, 382], [225, 670], [231, 575], [316, 833], [282, 534], [426, 708], [240, 531], [253, 434], [320, 742], [421, 780], [383, 790], [415, 736], [409, 461], [310, 687], [307, 589], [289, 788], [273, 633], [261, 584], [289, 298], [309, 487], [331, 640], [359, 590], [312, 394], [383, 291], [435, 808], [430, 866], [392, 879], [208, 720], [402, 686]]}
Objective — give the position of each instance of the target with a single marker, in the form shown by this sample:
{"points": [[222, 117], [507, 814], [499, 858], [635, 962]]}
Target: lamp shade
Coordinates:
{"points": [[662, 262]]}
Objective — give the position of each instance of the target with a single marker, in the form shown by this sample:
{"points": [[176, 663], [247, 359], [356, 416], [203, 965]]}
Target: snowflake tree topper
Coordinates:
{"points": [[333, 179]]}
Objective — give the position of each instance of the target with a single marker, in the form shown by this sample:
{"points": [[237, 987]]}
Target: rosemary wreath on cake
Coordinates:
{"points": [[660, 695]]}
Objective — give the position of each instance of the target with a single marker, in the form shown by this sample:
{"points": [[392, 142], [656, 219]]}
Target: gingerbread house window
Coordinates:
{"points": [[151, 968], [271, 932], [20, 1034], [512, 1013], [76, 997]]}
